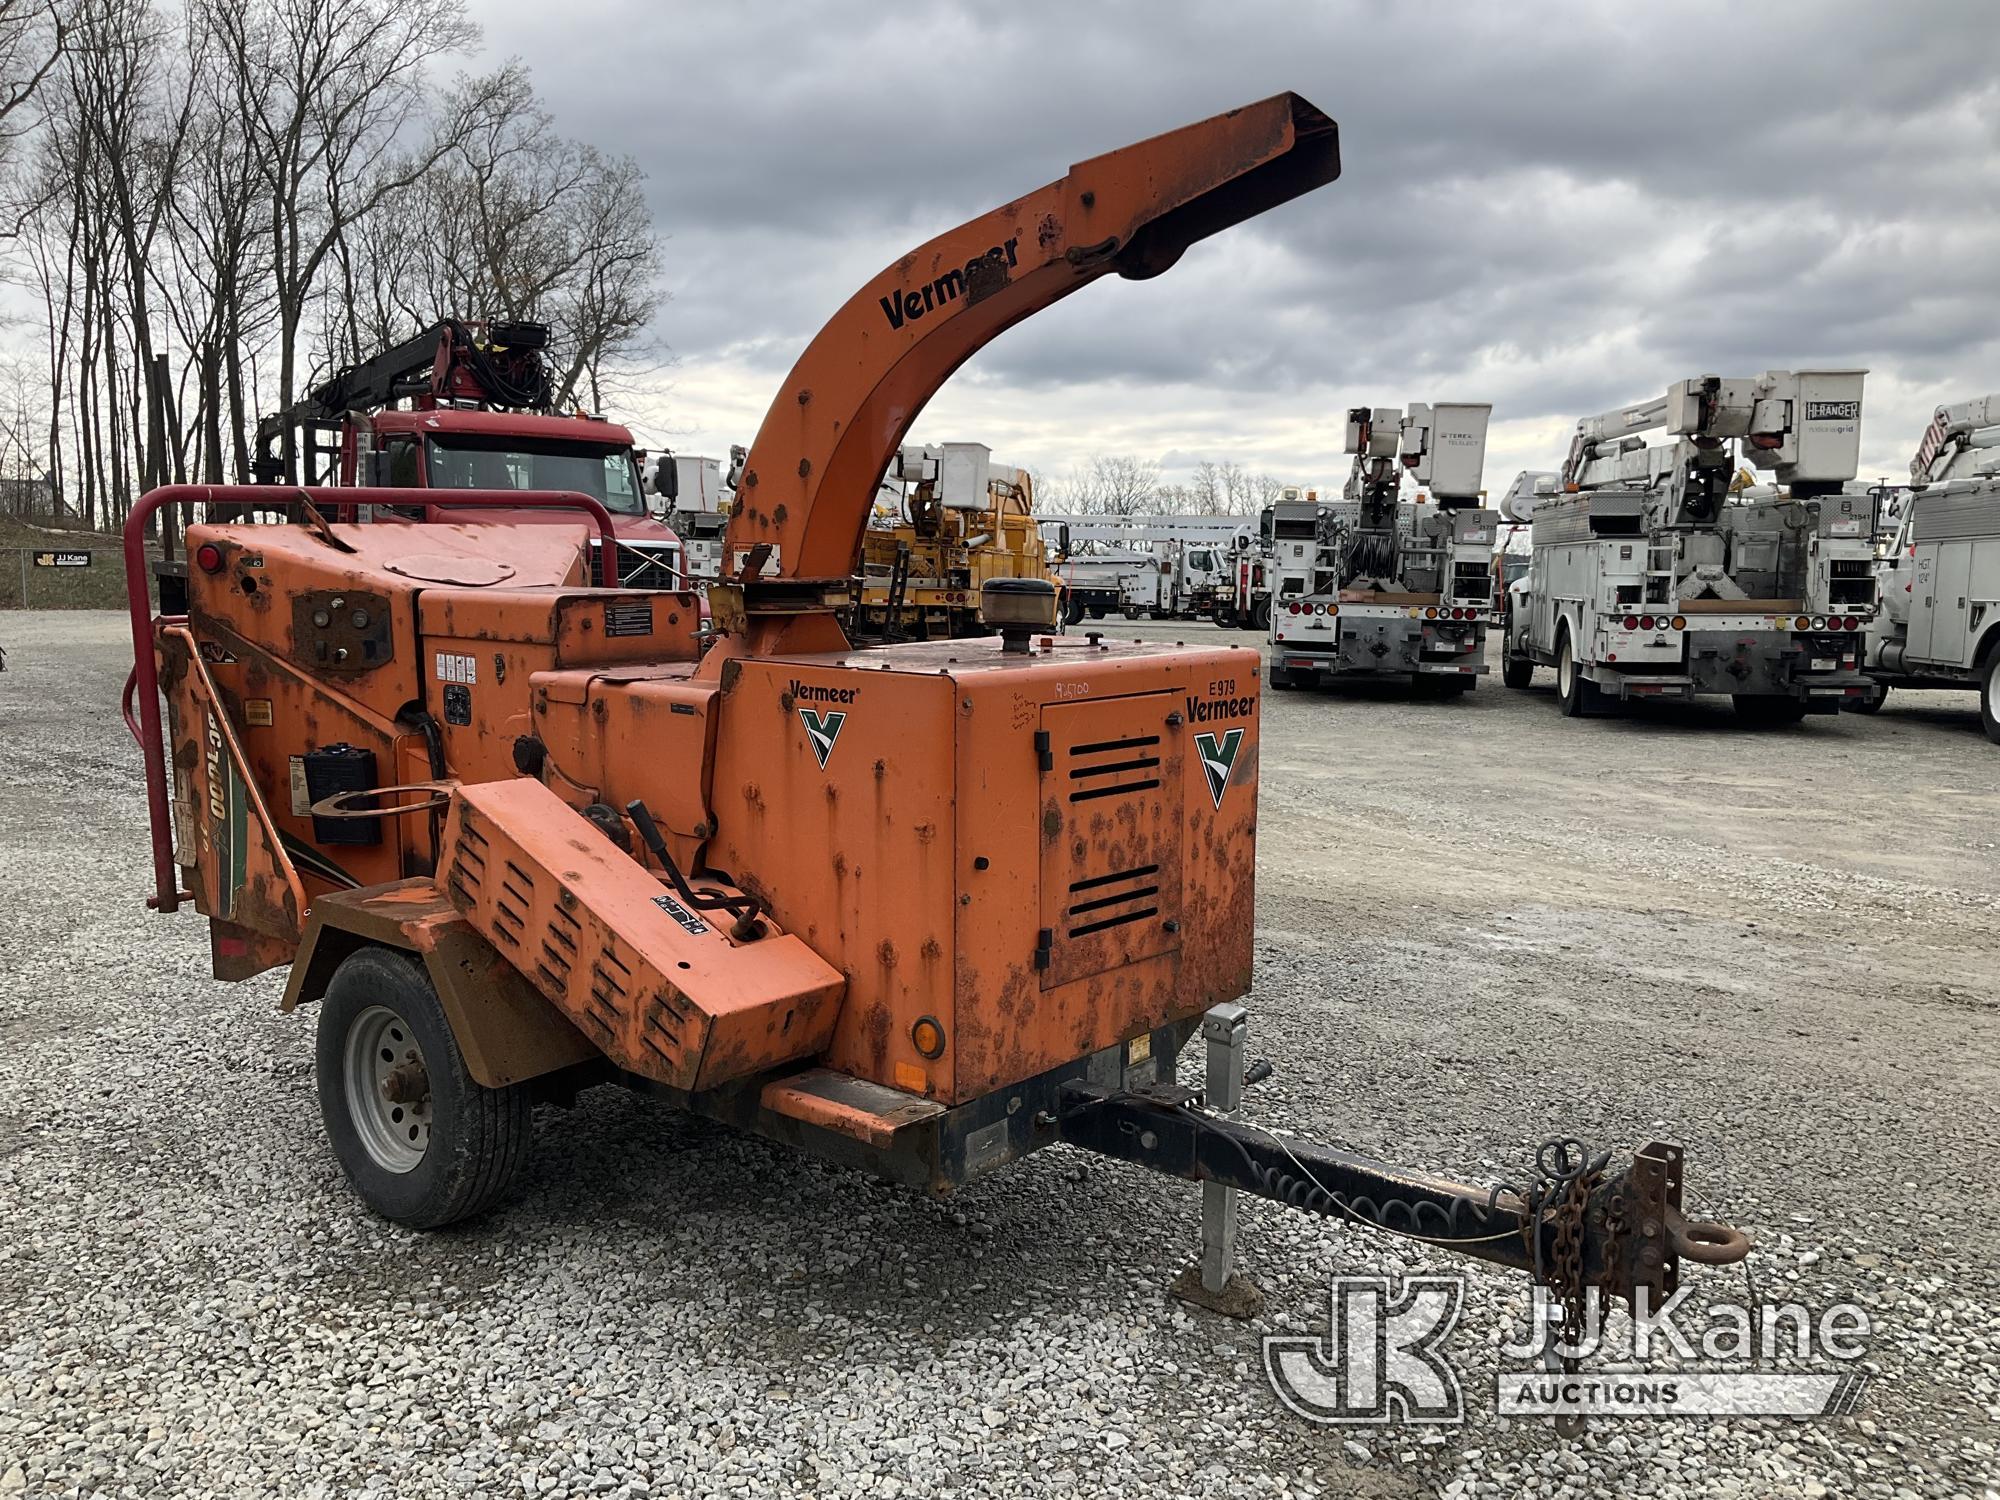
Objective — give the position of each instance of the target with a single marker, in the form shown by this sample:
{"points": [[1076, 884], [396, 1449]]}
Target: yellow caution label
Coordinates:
{"points": [[257, 712], [1138, 1049]]}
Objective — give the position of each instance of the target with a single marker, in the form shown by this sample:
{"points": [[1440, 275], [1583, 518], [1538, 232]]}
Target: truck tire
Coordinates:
{"points": [[1517, 671], [1989, 697], [423, 1143], [1073, 611], [1260, 615], [1764, 712], [1576, 694], [1870, 702]]}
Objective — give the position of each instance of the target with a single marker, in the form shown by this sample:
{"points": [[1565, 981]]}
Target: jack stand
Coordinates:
{"points": [[1212, 1283]]}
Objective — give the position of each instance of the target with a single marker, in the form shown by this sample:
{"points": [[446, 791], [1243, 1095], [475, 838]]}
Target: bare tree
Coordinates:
{"points": [[521, 224], [33, 34], [333, 98], [1120, 485], [223, 296], [208, 189]]}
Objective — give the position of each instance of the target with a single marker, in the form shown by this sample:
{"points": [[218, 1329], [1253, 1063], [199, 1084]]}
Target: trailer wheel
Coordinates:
{"points": [[1073, 611], [1517, 671], [1989, 698], [423, 1143], [1869, 703], [1577, 694], [1765, 712]]}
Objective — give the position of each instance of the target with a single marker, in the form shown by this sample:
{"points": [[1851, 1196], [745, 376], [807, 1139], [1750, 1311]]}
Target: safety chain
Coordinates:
{"points": [[1565, 1177]]}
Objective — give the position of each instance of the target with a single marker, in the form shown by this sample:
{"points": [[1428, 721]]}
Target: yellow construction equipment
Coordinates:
{"points": [[947, 521]]}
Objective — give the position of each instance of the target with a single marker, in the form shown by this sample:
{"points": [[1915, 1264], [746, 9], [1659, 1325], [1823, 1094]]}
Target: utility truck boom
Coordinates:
{"points": [[1654, 574], [1939, 570], [1375, 585]]}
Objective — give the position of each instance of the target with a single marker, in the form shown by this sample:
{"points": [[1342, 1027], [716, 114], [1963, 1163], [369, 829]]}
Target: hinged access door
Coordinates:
{"points": [[1112, 814]]}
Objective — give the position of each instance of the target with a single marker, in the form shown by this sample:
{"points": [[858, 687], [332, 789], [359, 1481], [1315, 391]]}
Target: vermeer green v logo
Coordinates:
{"points": [[822, 731], [1217, 756]]}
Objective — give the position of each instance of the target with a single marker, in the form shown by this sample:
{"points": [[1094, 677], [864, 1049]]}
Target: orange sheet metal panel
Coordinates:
{"points": [[1020, 1013], [662, 990], [848, 1106], [833, 799], [1111, 834], [892, 806]]}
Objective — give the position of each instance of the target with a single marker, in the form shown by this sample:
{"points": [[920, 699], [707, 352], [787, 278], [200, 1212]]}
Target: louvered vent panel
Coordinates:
{"points": [[1111, 881]]}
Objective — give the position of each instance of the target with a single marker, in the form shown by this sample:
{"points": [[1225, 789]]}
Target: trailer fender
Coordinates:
{"points": [[507, 1032]]}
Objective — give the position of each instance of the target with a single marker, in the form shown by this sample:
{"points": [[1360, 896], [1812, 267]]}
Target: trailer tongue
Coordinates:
{"points": [[923, 909]]}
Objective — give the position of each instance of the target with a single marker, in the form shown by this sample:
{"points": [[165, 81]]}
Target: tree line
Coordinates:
{"points": [[210, 205], [1110, 484]]}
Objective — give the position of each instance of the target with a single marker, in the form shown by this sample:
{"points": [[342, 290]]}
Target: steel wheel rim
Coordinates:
{"points": [[388, 1089]]}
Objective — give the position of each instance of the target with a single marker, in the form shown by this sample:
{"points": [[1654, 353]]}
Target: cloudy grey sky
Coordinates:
{"points": [[1556, 208]]}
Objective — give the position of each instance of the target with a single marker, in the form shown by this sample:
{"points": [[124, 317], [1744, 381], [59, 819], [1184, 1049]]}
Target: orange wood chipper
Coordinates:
{"points": [[922, 909]]}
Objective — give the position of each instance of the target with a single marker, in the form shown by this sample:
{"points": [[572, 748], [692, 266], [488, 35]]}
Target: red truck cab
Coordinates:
{"points": [[464, 405], [449, 448]]}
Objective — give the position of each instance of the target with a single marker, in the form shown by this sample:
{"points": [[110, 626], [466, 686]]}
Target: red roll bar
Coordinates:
{"points": [[145, 678]]}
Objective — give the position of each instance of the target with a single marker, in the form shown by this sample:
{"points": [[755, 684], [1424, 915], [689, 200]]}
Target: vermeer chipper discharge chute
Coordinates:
{"points": [[922, 908]]}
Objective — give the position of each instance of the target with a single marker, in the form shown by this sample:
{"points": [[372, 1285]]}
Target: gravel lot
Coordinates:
{"points": [[1479, 925]]}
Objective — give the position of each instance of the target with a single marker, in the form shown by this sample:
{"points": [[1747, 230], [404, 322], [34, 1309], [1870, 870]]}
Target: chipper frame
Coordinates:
{"points": [[921, 908]]}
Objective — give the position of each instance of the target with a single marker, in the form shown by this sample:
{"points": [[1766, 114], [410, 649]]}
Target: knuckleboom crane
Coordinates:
{"points": [[1375, 584], [1656, 574], [922, 908], [467, 404]]}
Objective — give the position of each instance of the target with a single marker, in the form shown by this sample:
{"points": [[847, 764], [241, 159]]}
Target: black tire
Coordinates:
{"points": [[1764, 712], [1260, 615], [1517, 671], [1869, 703], [1576, 694], [1096, 611], [477, 1137], [1073, 610], [1989, 697]]}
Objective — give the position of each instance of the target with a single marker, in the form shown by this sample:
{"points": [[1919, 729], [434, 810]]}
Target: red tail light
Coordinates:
{"points": [[1645, 622], [1631, 622]]}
